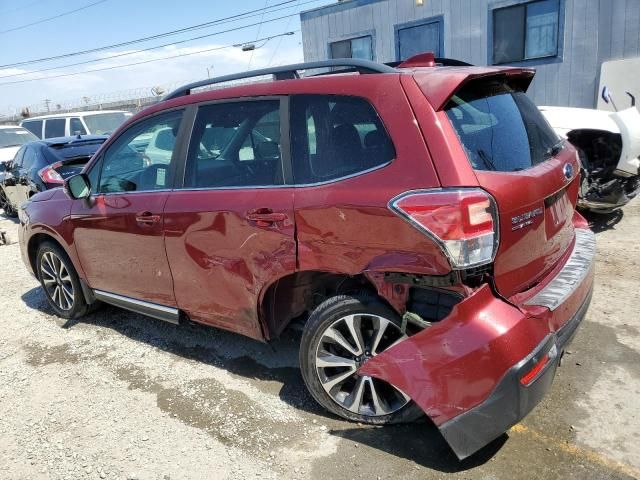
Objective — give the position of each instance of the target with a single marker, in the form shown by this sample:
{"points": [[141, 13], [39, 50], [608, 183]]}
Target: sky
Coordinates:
{"points": [[97, 23]]}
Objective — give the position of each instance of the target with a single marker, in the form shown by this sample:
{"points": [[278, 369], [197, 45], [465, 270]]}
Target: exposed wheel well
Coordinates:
{"points": [[300, 292], [34, 244]]}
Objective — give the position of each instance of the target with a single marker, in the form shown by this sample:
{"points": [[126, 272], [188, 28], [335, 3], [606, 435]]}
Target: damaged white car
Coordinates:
{"points": [[609, 147]]}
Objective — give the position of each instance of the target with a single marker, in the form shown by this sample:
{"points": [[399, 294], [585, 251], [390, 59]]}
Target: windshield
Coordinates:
{"points": [[15, 137], [500, 128], [105, 123]]}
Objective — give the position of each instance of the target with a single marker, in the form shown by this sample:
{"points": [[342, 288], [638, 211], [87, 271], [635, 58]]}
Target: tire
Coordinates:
{"points": [[5, 204], [60, 282], [322, 345]]}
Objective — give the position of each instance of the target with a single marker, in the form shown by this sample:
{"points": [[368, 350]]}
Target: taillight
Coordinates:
{"points": [[464, 222], [49, 175]]}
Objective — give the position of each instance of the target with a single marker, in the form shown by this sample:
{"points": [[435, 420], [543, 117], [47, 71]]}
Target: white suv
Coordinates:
{"points": [[101, 122]]}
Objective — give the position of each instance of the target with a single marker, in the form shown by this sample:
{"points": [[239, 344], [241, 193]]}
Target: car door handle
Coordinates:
{"points": [[147, 218], [264, 218]]}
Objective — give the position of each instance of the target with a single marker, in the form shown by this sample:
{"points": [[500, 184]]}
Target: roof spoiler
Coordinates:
{"points": [[440, 86]]}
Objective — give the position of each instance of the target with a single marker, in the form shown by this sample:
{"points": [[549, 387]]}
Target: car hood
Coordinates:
{"points": [[7, 153], [567, 119], [625, 123]]}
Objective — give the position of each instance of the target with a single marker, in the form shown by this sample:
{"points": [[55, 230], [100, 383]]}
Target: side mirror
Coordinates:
{"points": [[78, 186], [268, 150]]}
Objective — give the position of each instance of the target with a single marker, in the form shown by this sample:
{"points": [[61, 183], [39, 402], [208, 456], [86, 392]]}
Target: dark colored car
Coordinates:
{"points": [[420, 220], [45, 164]]}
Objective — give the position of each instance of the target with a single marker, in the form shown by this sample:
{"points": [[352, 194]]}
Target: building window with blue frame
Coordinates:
{"points": [[360, 47], [526, 31]]}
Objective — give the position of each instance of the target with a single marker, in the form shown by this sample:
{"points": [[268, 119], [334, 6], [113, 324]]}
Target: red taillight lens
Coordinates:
{"points": [[49, 175], [463, 221], [531, 375]]}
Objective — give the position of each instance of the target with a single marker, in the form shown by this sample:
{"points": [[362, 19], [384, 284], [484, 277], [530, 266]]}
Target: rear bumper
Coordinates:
{"points": [[511, 401], [465, 371]]}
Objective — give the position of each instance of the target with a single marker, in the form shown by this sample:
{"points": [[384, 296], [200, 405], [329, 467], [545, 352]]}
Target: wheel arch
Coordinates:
{"points": [[292, 295], [33, 245]]}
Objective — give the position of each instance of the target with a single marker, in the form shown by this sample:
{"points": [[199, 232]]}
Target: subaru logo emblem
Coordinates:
{"points": [[568, 171]]}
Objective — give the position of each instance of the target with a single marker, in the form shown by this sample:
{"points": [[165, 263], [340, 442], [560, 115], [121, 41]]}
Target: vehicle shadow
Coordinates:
{"points": [[599, 222], [274, 365]]}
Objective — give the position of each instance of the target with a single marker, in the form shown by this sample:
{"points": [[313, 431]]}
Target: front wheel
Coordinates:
{"points": [[5, 204], [341, 334], [60, 282]]}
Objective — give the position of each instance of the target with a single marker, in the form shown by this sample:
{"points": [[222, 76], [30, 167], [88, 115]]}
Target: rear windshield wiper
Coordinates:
{"points": [[555, 150], [486, 159]]}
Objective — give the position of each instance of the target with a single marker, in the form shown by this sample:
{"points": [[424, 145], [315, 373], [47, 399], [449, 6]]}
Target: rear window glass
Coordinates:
{"points": [[77, 150], [500, 128]]}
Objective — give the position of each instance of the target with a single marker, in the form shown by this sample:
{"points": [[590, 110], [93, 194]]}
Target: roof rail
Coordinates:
{"points": [[286, 72]]}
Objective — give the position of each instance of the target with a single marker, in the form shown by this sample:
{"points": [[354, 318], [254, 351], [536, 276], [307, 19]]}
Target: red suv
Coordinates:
{"points": [[420, 219]]}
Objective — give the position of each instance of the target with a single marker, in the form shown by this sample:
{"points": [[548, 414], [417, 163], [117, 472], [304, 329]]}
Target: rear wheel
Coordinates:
{"points": [[342, 334], [60, 282]]}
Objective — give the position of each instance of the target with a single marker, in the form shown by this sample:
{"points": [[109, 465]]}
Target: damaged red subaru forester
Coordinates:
{"points": [[420, 218]]}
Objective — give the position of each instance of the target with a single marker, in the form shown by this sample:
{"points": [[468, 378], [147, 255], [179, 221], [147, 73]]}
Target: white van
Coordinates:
{"points": [[100, 122]]}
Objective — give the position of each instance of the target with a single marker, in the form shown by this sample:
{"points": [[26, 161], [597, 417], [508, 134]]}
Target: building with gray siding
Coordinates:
{"points": [[567, 41]]}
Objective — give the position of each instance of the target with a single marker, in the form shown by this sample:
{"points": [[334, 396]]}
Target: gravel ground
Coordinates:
{"points": [[118, 396]]}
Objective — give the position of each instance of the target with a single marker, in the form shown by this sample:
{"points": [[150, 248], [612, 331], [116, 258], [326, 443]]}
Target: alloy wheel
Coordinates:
{"points": [[343, 347], [57, 280]]}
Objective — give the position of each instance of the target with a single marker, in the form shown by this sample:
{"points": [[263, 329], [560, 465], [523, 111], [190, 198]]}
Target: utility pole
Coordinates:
{"points": [[47, 102]]}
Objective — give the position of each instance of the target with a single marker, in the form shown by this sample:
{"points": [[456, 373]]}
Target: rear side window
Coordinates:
{"points": [[500, 128], [236, 144], [30, 158], [54, 127], [335, 136], [34, 126]]}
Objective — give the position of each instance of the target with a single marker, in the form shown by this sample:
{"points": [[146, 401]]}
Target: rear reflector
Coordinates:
{"points": [[464, 222], [531, 375]]}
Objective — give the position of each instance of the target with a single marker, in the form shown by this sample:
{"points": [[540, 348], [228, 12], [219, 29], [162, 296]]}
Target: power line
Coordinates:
{"points": [[266, 39], [257, 34], [239, 16], [275, 51], [68, 12], [124, 54]]}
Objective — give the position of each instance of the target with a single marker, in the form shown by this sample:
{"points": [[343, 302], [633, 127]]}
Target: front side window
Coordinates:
{"points": [[360, 47], [76, 127], [236, 144], [131, 163], [500, 128], [335, 136], [526, 31], [54, 127]]}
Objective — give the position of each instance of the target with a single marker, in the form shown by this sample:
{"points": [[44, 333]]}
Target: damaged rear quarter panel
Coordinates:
{"points": [[454, 365]]}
